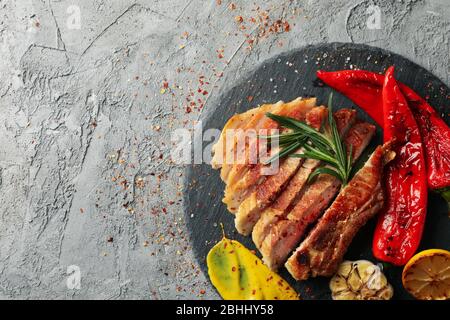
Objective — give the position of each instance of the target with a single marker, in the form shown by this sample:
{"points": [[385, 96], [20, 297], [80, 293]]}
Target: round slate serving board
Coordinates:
{"points": [[286, 77]]}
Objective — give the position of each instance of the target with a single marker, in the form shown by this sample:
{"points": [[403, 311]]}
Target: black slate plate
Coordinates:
{"points": [[284, 78]]}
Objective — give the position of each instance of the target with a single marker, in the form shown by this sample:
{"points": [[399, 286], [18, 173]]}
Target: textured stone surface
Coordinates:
{"points": [[87, 115]]}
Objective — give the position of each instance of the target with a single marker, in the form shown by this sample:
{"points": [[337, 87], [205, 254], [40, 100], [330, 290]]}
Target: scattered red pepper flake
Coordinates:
{"points": [[239, 19]]}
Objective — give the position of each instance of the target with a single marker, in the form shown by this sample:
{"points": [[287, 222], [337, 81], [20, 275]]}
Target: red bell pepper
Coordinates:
{"points": [[402, 219], [360, 86], [364, 88]]}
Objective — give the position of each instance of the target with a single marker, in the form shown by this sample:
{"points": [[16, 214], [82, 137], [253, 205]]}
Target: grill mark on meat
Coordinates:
{"points": [[250, 209], [323, 250], [286, 230]]}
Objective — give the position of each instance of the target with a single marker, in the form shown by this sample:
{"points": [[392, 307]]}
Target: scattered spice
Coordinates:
{"points": [[202, 75], [140, 183]]}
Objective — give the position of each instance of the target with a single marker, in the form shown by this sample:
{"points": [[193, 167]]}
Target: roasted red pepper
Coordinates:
{"points": [[360, 86], [402, 219], [364, 88]]}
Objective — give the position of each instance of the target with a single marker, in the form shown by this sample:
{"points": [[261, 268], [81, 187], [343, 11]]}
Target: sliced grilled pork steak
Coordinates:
{"points": [[220, 149], [344, 119], [256, 121], [284, 231], [296, 109], [255, 175], [322, 251], [250, 209], [252, 175]]}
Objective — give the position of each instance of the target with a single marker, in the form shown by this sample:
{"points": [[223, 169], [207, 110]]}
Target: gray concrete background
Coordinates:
{"points": [[87, 112]]}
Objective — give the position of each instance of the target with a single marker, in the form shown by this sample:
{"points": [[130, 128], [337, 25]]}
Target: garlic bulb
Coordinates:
{"points": [[360, 280]]}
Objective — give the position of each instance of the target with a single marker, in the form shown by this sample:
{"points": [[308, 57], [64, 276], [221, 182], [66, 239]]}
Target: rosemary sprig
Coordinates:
{"points": [[326, 146]]}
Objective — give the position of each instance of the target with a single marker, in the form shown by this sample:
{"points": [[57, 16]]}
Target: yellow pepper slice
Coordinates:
{"points": [[238, 274]]}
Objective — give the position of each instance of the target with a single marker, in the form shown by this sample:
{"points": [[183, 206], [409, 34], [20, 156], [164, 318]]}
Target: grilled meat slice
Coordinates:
{"points": [[344, 119], [255, 175], [238, 121], [279, 209], [295, 188], [245, 149], [250, 209], [284, 231], [230, 146], [323, 250]]}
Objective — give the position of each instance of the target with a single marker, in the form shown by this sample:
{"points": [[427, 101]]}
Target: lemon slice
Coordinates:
{"points": [[427, 275]]}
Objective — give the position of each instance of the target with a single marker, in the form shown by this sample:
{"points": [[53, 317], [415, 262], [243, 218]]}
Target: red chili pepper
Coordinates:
{"points": [[401, 222], [364, 89]]}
